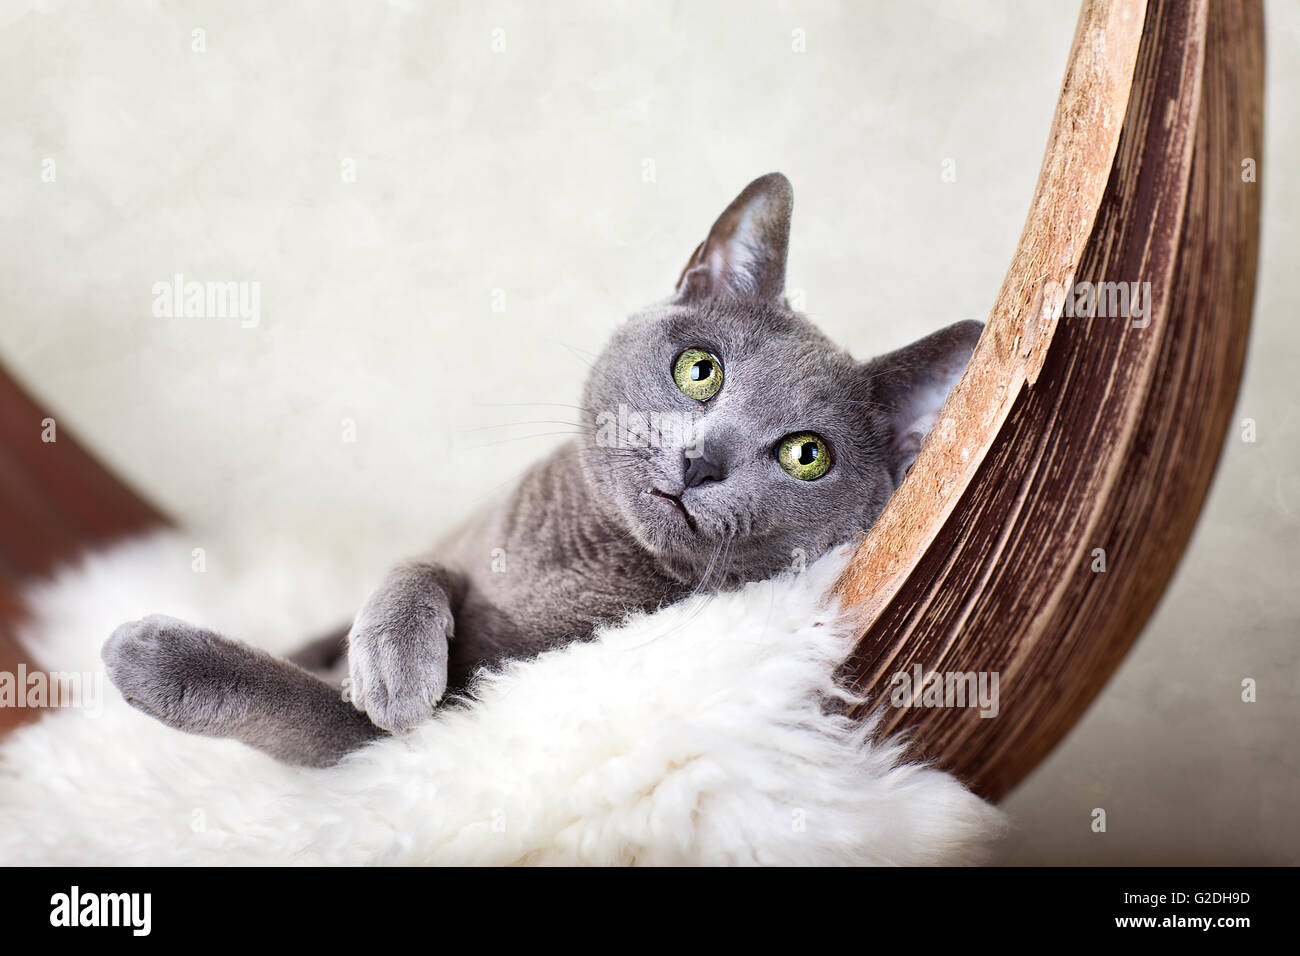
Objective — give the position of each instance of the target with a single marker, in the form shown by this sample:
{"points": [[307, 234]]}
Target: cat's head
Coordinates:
{"points": [[724, 428]]}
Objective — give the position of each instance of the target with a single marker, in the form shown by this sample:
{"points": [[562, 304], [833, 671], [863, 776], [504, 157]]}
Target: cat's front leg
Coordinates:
{"points": [[197, 681], [397, 648]]}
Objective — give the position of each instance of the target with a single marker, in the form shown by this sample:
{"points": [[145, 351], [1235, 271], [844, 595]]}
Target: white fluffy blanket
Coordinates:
{"points": [[695, 735]]}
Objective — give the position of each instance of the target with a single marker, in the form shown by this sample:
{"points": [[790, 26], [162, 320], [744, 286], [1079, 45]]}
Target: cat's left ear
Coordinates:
{"points": [[744, 255], [913, 383]]}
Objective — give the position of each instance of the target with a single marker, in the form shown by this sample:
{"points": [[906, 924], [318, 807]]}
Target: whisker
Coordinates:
{"points": [[503, 441], [535, 421], [581, 408]]}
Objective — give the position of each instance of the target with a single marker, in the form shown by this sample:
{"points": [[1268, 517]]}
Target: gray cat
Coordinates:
{"points": [[723, 435]]}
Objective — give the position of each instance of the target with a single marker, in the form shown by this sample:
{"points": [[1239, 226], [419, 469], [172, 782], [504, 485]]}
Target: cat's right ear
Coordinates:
{"points": [[911, 384], [744, 255]]}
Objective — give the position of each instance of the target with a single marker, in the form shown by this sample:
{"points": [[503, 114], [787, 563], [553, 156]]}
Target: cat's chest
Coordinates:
{"points": [[539, 571], [548, 595], [528, 606]]}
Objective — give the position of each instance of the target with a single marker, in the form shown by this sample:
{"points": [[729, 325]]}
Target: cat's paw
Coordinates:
{"points": [[175, 672], [397, 665]]}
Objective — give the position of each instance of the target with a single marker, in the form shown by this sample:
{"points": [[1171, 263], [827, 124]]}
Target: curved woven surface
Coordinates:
{"points": [[1075, 433]]}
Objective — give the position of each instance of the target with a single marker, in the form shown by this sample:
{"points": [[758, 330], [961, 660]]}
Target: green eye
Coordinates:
{"points": [[698, 374], [804, 455]]}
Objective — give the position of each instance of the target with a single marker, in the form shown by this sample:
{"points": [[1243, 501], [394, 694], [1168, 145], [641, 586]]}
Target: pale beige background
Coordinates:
{"points": [[527, 170]]}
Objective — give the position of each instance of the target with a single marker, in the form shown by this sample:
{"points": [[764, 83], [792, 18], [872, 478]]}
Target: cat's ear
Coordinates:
{"points": [[913, 383], [744, 255]]}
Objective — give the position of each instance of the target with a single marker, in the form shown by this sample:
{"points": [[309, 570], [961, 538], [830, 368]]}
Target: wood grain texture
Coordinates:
{"points": [[56, 500], [1069, 434]]}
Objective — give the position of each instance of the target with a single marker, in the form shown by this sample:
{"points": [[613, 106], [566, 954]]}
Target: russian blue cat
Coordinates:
{"points": [[723, 437]]}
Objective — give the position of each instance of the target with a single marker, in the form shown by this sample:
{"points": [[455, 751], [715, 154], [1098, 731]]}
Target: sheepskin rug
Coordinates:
{"points": [[695, 735]]}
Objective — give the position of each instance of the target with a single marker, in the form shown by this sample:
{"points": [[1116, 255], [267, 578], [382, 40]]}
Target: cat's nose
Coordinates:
{"points": [[701, 468]]}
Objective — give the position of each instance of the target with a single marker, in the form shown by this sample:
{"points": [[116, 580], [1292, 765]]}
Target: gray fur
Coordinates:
{"points": [[397, 648], [199, 682], [600, 527]]}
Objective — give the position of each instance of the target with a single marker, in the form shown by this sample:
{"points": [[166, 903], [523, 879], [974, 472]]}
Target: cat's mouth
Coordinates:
{"points": [[675, 502]]}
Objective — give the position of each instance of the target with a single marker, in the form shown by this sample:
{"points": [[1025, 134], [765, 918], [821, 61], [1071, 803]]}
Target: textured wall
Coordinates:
{"points": [[444, 223]]}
